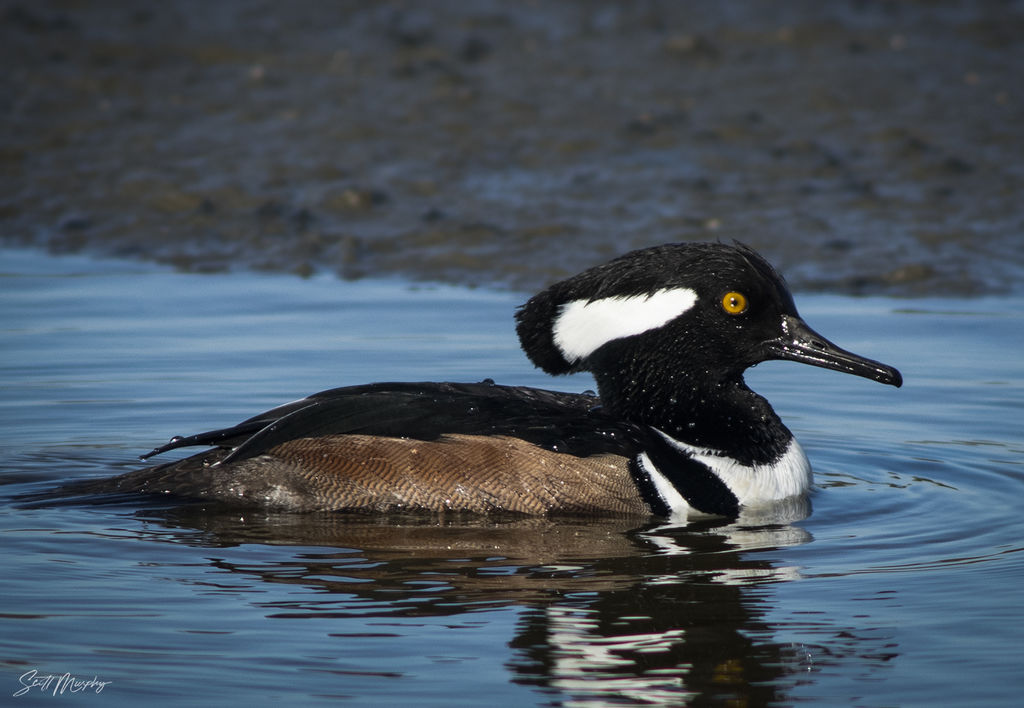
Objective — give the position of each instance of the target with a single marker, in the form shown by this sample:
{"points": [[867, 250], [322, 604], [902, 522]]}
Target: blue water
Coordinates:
{"points": [[902, 587]]}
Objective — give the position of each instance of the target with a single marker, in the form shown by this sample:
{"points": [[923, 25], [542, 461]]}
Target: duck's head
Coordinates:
{"points": [[691, 311]]}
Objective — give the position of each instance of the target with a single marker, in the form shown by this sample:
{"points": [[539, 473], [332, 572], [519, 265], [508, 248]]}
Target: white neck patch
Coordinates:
{"points": [[788, 476], [584, 326]]}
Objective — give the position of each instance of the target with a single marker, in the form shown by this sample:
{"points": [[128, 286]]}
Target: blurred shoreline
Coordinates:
{"points": [[864, 147]]}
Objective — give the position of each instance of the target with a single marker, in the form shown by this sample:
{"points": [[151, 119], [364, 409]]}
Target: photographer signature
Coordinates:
{"points": [[58, 683]]}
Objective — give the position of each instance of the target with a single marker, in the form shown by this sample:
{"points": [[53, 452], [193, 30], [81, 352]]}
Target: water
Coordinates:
{"points": [[901, 587]]}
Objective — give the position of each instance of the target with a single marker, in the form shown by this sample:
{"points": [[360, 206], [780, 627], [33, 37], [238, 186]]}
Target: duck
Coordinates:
{"points": [[673, 430]]}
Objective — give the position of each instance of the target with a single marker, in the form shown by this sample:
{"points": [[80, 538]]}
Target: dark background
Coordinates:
{"points": [[865, 147]]}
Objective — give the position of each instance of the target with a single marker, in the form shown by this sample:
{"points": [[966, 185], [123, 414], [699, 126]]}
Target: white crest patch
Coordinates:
{"points": [[584, 326]]}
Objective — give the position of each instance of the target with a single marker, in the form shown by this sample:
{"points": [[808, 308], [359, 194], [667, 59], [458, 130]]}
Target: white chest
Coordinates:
{"points": [[753, 485]]}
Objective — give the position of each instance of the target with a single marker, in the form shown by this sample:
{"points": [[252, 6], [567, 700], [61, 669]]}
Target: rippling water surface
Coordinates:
{"points": [[901, 587]]}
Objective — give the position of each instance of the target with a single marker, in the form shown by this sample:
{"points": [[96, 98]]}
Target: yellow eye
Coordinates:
{"points": [[734, 303]]}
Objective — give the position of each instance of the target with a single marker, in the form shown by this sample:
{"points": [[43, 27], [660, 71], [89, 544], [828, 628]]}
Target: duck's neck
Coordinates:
{"points": [[723, 416]]}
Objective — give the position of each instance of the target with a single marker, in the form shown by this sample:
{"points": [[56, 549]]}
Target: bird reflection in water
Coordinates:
{"points": [[657, 613]]}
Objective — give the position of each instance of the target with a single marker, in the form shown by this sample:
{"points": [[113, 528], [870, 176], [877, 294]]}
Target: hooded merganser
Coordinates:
{"points": [[667, 333]]}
